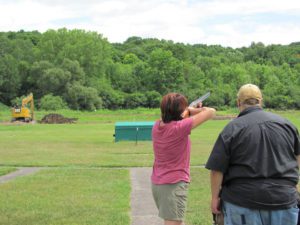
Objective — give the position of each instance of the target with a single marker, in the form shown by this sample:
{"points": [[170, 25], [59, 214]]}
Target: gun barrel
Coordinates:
{"points": [[201, 99]]}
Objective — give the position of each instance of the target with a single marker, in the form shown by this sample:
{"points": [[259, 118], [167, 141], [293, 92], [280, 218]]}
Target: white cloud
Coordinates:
{"points": [[30, 15], [230, 37], [229, 7], [202, 21], [277, 34]]}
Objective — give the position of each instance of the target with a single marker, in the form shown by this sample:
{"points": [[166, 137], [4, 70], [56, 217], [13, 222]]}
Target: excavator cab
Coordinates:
{"points": [[23, 113]]}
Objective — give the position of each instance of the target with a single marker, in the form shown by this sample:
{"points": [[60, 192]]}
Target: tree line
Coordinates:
{"points": [[81, 70]]}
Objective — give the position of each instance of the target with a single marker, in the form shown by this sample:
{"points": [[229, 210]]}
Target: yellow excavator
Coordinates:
{"points": [[23, 113]]}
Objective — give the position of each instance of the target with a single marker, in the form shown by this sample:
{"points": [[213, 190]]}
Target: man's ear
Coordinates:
{"points": [[239, 105]]}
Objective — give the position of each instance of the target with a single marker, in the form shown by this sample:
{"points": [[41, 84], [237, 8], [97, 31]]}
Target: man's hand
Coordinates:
{"points": [[215, 206], [216, 179]]}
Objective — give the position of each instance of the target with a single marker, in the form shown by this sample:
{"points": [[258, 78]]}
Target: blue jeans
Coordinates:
{"points": [[236, 215]]}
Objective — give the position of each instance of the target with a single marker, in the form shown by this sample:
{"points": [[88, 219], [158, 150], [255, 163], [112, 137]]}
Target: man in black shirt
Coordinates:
{"points": [[254, 168]]}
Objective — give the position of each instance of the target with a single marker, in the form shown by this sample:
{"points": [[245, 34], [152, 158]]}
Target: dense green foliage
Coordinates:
{"points": [[88, 72], [50, 102]]}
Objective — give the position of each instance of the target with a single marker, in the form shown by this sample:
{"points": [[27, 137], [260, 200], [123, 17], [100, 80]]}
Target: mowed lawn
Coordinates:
{"points": [[80, 183], [88, 145], [67, 197]]}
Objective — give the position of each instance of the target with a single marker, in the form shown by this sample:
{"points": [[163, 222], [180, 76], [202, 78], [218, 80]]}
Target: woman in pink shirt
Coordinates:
{"points": [[172, 147]]}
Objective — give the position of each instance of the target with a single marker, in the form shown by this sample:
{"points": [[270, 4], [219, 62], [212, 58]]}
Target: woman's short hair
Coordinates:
{"points": [[172, 106]]}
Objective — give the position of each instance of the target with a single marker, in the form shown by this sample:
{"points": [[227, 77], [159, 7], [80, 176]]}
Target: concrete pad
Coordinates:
{"points": [[143, 209], [20, 172]]}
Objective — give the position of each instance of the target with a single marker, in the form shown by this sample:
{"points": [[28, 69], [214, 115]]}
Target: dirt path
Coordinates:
{"points": [[19, 172], [143, 209]]}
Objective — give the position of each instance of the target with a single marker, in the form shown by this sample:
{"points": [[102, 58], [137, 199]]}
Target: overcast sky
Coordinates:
{"points": [[232, 23]]}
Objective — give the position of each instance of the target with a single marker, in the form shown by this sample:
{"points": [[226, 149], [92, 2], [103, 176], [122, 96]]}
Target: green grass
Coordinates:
{"points": [[69, 145], [6, 170], [67, 197], [198, 209], [92, 145], [90, 142], [89, 145], [99, 116]]}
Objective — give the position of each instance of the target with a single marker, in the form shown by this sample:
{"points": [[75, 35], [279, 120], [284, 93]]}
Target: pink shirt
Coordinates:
{"points": [[172, 148]]}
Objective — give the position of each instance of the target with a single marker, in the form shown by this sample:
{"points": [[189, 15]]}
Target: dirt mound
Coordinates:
{"points": [[57, 118]]}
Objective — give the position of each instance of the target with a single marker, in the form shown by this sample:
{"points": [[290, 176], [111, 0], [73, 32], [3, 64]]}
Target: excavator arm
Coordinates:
{"points": [[26, 100], [29, 99]]}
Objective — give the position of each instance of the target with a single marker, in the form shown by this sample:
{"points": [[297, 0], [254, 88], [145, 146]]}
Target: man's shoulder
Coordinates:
{"points": [[263, 116], [259, 116], [233, 128], [242, 122], [237, 122], [273, 117]]}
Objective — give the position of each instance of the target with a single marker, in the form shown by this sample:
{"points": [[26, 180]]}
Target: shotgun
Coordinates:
{"points": [[201, 99]]}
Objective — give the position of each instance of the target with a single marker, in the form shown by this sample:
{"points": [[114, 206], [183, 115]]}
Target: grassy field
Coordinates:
{"points": [[90, 141], [79, 184], [67, 197], [198, 210], [88, 145]]}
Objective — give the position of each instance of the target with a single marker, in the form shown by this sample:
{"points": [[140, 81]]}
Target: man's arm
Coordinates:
{"points": [[216, 179]]}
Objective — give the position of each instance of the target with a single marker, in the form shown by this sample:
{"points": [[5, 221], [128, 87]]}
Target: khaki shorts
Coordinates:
{"points": [[171, 200]]}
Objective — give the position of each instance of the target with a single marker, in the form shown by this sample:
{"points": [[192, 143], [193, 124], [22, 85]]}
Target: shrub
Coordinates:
{"points": [[50, 102], [153, 99], [81, 97], [3, 107], [17, 100], [135, 100]]}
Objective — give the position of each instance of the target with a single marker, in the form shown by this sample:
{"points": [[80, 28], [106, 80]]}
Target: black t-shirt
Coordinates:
{"points": [[257, 153]]}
